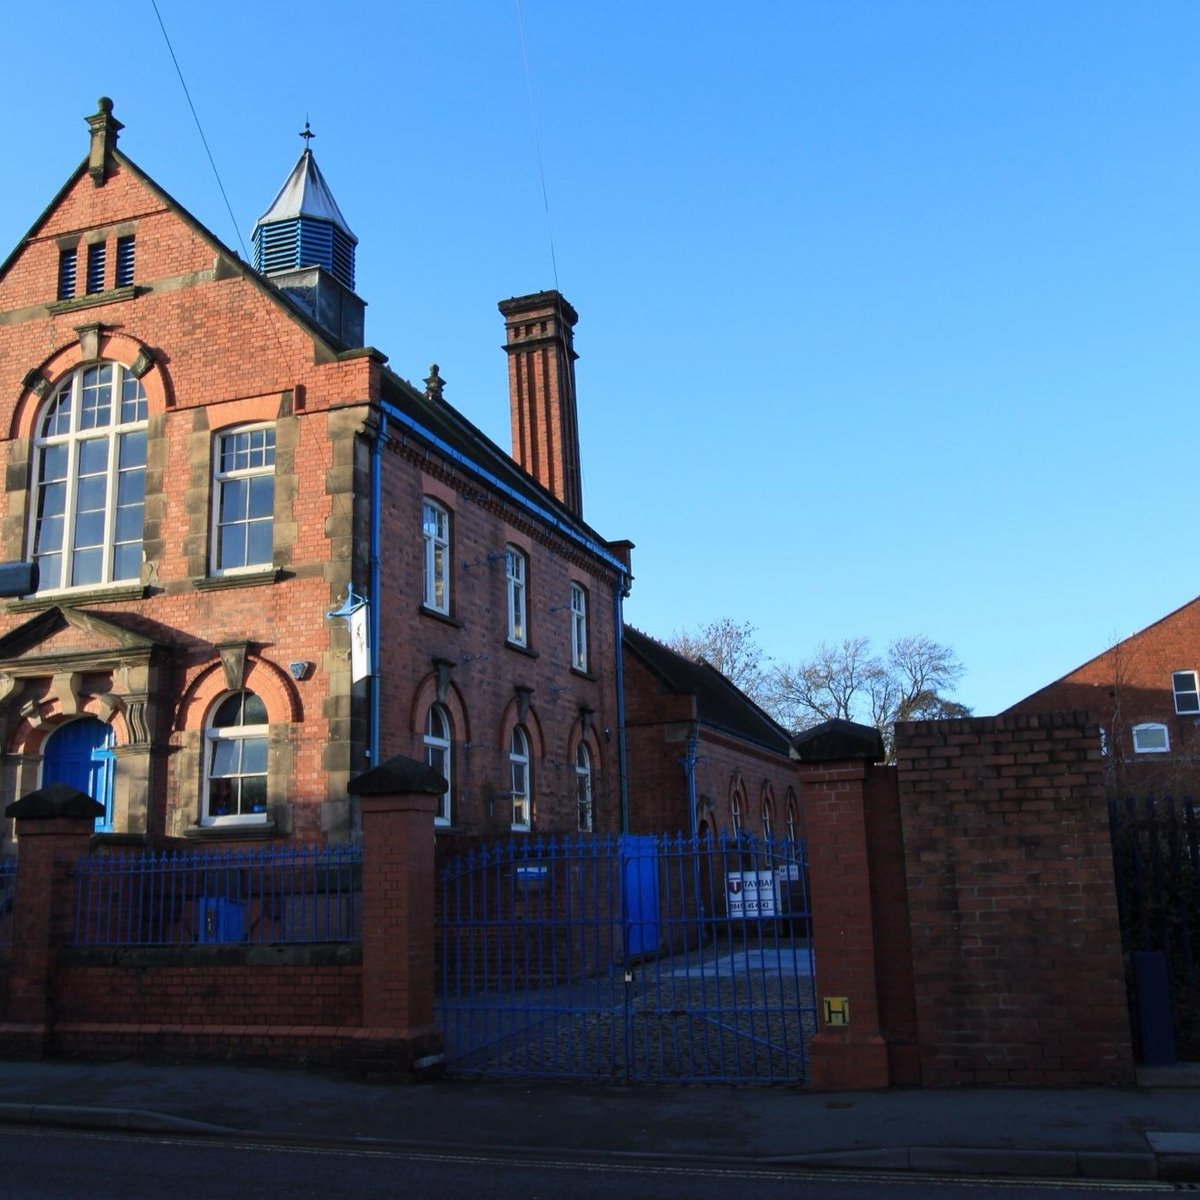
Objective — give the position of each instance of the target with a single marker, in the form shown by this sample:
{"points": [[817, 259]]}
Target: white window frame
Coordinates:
{"points": [[515, 564], [70, 421], [1151, 728], [583, 788], [215, 736], [522, 790], [256, 448], [735, 811], [767, 815], [791, 822], [1185, 688], [438, 747], [435, 530], [579, 629]]}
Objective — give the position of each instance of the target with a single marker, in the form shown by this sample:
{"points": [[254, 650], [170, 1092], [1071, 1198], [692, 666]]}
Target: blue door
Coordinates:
{"points": [[639, 874], [80, 754]]}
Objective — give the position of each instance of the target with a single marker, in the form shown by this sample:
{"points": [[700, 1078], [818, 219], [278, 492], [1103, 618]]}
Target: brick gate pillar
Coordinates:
{"points": [[54, 826], [398, 801], [848, 1050]]}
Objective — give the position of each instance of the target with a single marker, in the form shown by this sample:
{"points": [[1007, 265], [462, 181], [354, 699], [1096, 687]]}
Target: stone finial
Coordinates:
{"points": [[434, 383], [104, 127]]}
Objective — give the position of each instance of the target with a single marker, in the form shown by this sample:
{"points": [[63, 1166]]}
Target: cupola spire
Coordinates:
{"points": [[304, 244]]}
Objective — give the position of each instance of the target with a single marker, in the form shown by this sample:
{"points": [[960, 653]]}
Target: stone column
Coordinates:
{"points": [[54, 825], [398, 800]]}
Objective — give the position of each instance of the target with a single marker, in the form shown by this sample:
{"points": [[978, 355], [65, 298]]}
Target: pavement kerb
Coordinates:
{"points": [[941, 1160], [926, 1160], [86, 1117]]}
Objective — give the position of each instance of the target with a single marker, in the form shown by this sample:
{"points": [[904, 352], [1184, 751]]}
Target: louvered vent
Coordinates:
{"points": [[304, 242], [125, 261], [97, 255], [67, 260]]}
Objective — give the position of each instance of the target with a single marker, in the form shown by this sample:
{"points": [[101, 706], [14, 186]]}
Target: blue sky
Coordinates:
{"points": [[889, 310]]}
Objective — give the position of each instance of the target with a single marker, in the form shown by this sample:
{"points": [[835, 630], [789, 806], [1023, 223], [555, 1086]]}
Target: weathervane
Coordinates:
{"points": [[307, 134]]}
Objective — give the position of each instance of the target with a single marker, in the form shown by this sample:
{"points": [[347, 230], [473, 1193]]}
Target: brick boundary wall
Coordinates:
{"points": [[1015, 939], [365, 1008]]}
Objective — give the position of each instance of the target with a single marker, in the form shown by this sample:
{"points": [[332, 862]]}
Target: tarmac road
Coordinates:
{"points": [[41, 1164]]}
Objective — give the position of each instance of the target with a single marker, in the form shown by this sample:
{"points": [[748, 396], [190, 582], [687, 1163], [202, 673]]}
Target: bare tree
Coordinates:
{"points": [[834, 683], [729, 647], [907, 683]]}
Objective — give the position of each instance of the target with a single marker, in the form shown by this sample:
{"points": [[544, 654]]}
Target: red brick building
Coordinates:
{"points": [[1145, 693], [208, 464], [703, 757]]}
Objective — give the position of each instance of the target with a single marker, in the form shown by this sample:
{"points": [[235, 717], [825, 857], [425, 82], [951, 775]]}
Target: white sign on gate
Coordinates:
{"points": [[751, 894]]}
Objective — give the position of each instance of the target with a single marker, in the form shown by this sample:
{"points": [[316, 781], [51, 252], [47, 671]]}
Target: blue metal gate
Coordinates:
{"points": [[643, 958]]}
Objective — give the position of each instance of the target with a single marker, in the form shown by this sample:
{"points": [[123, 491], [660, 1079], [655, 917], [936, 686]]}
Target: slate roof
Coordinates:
{"points": [[719, 704], [306, 194]]}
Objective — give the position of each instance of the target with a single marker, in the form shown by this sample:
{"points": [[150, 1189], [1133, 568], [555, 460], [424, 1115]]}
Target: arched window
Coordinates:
{"points": [[518, 759], [437, 755], [793, 831], [235, 761], [583, 787], [89, 480], [735, 811], [768, 817]]}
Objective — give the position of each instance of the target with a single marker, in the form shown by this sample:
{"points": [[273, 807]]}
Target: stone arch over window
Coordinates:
{"points": [[275, 697], [520, 712], [438, 688], [265, 679], [95, 344]]}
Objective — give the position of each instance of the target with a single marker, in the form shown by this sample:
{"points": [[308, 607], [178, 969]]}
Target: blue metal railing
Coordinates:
{"points": [[8, 887], [271, 897]]}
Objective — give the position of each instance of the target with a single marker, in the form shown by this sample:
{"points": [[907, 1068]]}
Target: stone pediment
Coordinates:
{"points": [[63, 636]]}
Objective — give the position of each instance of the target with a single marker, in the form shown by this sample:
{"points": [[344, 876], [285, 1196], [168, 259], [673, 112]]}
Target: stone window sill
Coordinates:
{"points": [[92, 299], [75, 597], [215, 583]]}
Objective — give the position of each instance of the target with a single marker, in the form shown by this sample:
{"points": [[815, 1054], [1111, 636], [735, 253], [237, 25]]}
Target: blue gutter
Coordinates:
{"points": [[543, 514], [620, 587], [689, 770]]}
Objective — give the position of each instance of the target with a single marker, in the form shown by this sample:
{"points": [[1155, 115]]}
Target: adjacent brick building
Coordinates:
{"points": [[703, 757], [267, 561], [1145, 693]]}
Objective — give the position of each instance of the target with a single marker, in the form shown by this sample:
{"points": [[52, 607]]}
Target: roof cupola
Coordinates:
{"points": [[304, 245]]}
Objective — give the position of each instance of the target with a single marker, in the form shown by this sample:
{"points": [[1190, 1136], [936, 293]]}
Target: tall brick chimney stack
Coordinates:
{"points": [[541, 392]]}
